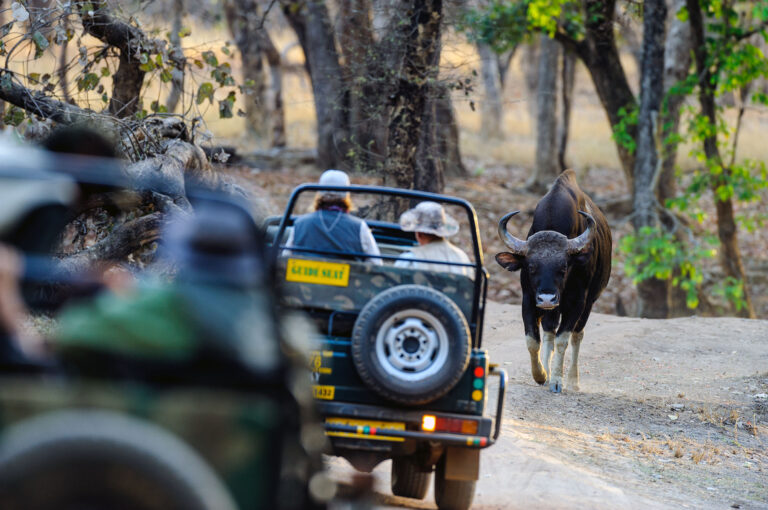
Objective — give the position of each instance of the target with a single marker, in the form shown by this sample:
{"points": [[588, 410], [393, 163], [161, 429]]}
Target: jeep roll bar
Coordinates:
{"points": [[481, 275]]}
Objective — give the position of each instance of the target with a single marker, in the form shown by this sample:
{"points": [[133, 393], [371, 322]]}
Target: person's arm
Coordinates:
{"points": [[288, 243], [12, 309], [404, 260], [369, 244]]}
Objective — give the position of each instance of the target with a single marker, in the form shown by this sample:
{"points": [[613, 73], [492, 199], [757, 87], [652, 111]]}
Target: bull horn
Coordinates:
{"points": [[577, 244], [517, 246]]}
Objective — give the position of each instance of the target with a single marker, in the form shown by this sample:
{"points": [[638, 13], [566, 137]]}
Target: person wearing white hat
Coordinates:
{"points": [[432, 225], [330, 227]]}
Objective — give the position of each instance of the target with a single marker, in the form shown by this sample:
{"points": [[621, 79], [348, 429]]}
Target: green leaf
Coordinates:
{"points": [[6, 29], [225, 106], [41, 43], [86, 9], [105, 71], [156, 107], [210, 58], [205, 92], [88, 82], [166, 76], [14, 116], [148, 66], [184, 32]]}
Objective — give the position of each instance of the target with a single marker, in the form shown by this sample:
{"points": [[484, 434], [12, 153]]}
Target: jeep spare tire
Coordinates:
{"points": [[411, 344]]}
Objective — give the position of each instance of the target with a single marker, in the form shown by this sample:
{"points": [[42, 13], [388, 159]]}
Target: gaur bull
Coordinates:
{"points": [[564, 266]]}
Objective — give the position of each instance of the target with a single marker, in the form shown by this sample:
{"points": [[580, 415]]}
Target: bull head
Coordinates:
{"points": [[546, 255], [520, 247]]}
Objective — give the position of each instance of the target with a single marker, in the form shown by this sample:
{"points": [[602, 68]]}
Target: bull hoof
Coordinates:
{"points": [[556, 387]]}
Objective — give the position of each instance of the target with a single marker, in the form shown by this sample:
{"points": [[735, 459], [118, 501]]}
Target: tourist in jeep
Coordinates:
{"points": [[330, 228], [432, 226]]}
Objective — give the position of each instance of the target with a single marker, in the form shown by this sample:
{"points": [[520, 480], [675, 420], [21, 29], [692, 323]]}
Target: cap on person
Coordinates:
{"points": [[429, 218], [334, 178]]}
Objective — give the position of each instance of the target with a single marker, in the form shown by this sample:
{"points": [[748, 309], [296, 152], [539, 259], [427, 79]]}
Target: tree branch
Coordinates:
{"points": [[38, 103]]}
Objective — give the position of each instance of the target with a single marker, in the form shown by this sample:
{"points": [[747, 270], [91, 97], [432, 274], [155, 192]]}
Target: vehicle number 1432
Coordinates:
{"points": [[323, 392]]}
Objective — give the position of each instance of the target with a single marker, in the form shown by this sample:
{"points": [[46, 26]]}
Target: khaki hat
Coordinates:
{"points": [[429, 218]]}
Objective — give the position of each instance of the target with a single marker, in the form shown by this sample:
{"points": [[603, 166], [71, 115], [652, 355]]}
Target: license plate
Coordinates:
{"points": [[317, 272], [323, 392], [367, 423]]}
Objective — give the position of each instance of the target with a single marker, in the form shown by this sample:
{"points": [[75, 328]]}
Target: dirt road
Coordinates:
{"points": [[672, 414]]}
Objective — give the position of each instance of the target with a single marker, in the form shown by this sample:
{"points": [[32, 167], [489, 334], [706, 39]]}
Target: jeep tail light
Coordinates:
{"points": [[450, 425]]}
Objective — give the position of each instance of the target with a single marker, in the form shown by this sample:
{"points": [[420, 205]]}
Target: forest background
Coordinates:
{"points": [[658, 106]]}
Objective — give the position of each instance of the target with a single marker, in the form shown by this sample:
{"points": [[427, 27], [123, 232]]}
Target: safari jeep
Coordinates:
{"points": [[113, 430], [399, 370]]}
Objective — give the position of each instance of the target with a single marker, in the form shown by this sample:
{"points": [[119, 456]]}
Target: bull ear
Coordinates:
{"points": [[510, 261]]}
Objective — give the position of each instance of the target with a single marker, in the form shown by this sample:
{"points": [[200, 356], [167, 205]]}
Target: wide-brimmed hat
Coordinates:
{"points": [[334, 178], [429, 218]]}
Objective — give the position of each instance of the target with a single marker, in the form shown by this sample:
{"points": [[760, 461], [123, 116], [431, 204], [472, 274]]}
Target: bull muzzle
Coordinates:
{"points": [[547, 301]]}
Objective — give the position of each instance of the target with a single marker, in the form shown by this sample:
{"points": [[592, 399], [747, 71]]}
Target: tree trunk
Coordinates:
{"points": [[653, 294], [244, 20], [447, 136], [365, 73], [530, 65], [490, 123], [421, 50], [567, 81], [677, 61], [130, 41], [2, 103], [177, 75], [599, 53], [312, 24], [277, 111], [546, 167], [727, 232], [504, 60]]}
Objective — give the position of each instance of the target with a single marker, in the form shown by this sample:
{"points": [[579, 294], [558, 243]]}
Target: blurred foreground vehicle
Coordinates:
{"points": [[399, 368], [188, 392]]}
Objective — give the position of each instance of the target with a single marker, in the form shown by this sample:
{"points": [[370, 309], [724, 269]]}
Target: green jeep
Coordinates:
{"points": [[166, 422], [399, 369]]}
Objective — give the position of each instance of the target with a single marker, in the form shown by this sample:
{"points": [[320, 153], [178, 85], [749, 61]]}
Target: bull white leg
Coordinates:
{"points": [[546, 352], [539, 375], [556, 379], [573, 371]]}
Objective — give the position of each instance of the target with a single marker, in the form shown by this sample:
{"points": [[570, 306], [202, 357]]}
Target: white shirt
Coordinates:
{"points": [[366, 239], [437, 250]]}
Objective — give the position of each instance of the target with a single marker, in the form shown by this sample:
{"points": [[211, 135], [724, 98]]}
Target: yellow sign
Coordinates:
{"points": [[370, 426], [323, 392], [316, 363], [317, 272]]}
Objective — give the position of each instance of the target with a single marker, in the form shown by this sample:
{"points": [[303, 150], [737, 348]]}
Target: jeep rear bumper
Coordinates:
{"points": [[487, 429]]}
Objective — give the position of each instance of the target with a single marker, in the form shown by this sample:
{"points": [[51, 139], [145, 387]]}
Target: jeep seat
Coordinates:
{"points": [[366, 281]]}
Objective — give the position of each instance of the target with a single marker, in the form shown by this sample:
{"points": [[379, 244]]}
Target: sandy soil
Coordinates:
{"points": [[672, 414]]}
